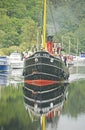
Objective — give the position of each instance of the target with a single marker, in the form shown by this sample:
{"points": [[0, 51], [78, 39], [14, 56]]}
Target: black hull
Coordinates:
{"points": [[45, 82]]}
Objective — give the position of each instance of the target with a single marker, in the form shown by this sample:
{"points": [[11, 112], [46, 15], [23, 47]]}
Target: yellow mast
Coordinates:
{"points": [[44, 47], [43, 122], [44, 26]]}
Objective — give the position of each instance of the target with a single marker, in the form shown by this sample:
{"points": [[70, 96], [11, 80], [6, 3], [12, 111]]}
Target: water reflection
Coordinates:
{"points": [[53, 124], [13, 115], [16, 77], [4, 80], [69, 123], [73, 112], [77, 73]]}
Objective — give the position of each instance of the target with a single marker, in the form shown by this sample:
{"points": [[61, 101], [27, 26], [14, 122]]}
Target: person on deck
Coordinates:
{"points": [[65, 60]]}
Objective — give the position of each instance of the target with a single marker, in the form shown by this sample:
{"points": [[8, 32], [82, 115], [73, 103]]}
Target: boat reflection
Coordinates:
{"points": [[55, 100], [71, 116], [4, 80], [16, 76], [13, 77]]}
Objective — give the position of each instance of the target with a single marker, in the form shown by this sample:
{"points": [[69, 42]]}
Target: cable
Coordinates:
{"points": [[50, 8]]}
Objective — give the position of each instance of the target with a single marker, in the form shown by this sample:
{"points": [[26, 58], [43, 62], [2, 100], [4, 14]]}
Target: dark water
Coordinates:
{"points": [[13, 115]]}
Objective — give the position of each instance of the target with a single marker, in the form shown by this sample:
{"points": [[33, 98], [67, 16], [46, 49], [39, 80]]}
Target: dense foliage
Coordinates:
{"points": [[21, 23]]}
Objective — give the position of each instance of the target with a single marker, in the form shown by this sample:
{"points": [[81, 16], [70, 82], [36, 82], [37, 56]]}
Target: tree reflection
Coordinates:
{"points": [[75, 103], [13, 115]]}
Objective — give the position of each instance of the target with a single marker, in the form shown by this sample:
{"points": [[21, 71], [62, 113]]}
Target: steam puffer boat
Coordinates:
{"points": [[45, 79], [45, 82]]}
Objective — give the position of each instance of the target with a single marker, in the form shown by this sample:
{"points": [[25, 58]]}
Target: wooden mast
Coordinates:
{"points": [[44, 26]]}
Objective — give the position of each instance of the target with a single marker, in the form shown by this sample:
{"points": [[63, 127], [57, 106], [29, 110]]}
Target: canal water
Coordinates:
{"points": [[13, 115]]}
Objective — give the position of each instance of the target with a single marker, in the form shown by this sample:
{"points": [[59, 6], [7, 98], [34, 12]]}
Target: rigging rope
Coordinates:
{"points": [[54, 25]]}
